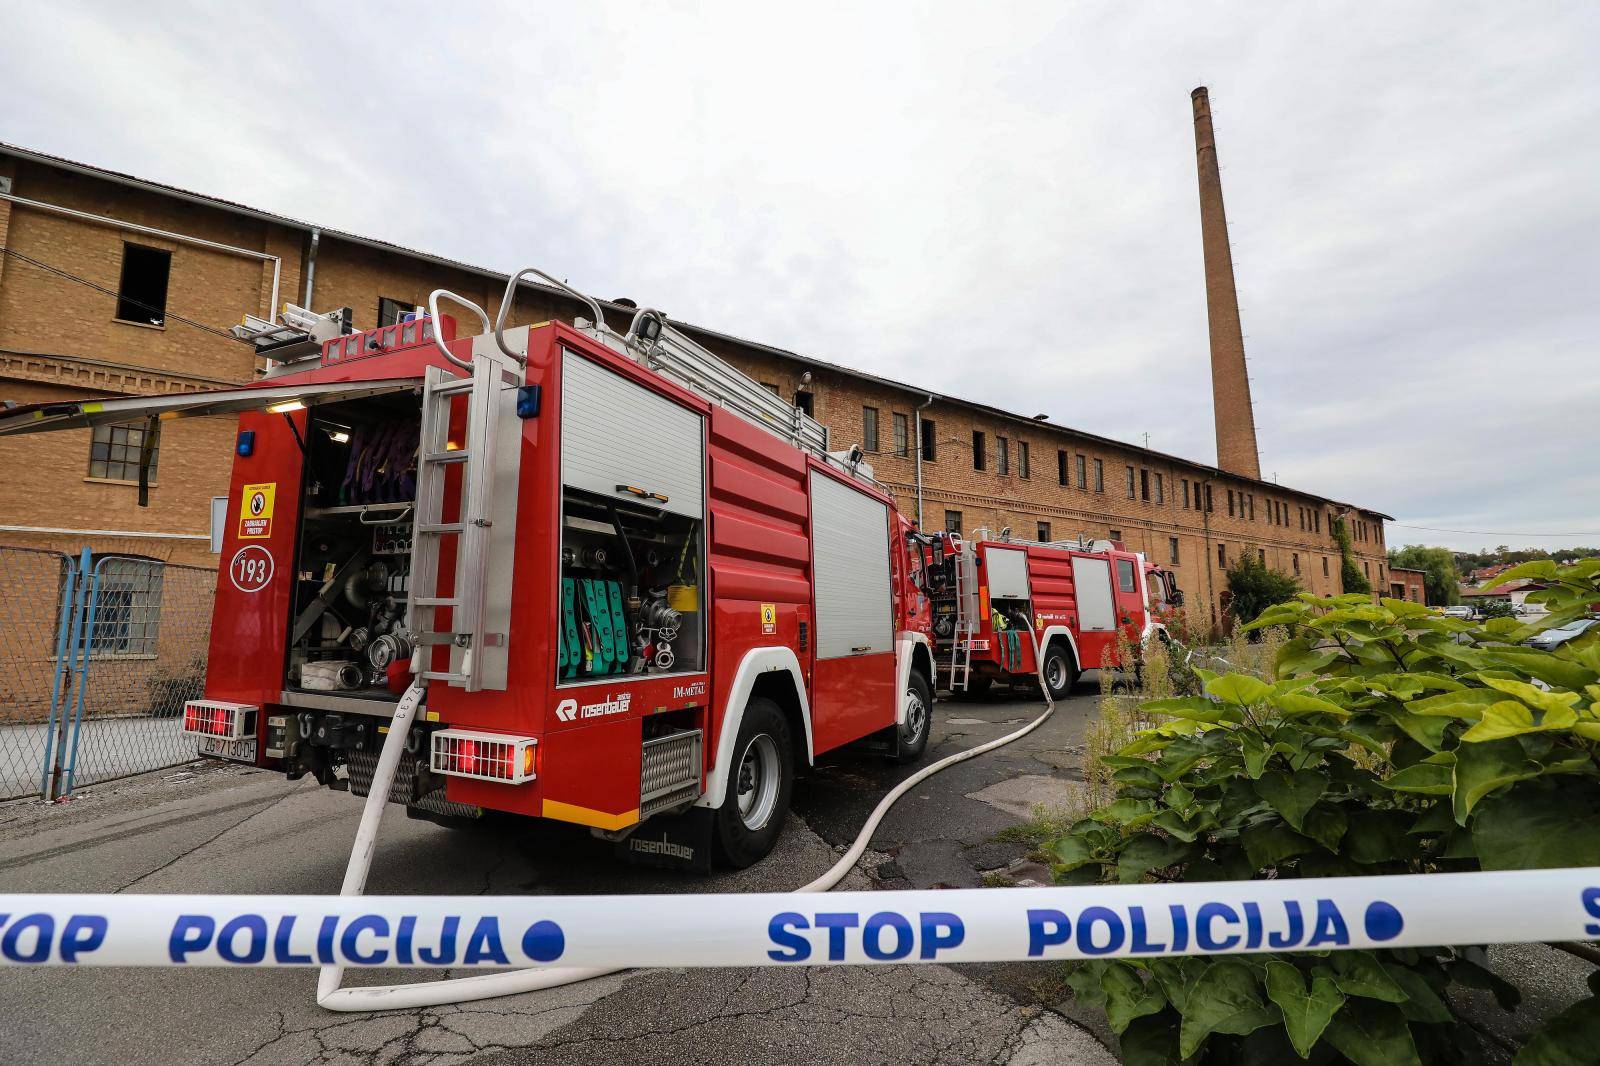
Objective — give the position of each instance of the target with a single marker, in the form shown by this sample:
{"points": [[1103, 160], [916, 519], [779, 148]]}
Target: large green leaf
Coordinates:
{"points": [[1150, 1041], [1422, 1003], [1509, 718], [1148, 852], [1128, 997], [1549, 702], [1429, 732], [1359, 973], [1326, 825], [1192, 708], [1373, 1034], [1293, 703], [1482, 768], [1141, 775], [1533, 568], [1467, 703], [1537, 827], [1223, 998], [1072, 851], [1376, 836], [1178, 758], [1130, 813], [1546, 667], [1255, 753], [1241, 690], [1569, 1039], [1292, 795], [1305, 1013], [1271, 843], [1427, 778]]}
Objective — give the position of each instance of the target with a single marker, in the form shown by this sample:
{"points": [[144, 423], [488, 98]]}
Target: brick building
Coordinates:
{"points": [[115, 284], [1407, 584]]}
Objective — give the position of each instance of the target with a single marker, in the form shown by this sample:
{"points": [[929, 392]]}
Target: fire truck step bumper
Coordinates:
{"points": [[403, 789]]}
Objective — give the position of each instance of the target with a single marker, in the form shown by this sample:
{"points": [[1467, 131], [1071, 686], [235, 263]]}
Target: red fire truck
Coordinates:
{"points": [[992, 591], [637, 585]]}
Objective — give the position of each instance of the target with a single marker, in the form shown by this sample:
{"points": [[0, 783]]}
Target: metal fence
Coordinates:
{"points": [[97, 656]]}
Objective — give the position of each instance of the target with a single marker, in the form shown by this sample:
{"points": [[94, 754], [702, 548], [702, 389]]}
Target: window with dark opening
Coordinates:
{"points": [[806, 402], [929, 442], [1130, 482], [869, 429], [1324, 566], [1099, 476], [1161, 492], [1222, 556], [1061, 466], [1185, 492], [1114, 534], [1002, 455], [900, 435], [142, 292], [980, 448], [114, 451], [1261, 553], [391, 312], [1022, 459], [1083, 477], [1144, 485], [1044, 532], [952, 522], [1172, 550]]}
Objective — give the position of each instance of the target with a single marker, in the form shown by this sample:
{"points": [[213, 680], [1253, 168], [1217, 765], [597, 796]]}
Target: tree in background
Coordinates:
{"points": [[1504, 554], [1350, 576], [1253, 588], [1442, 581]]}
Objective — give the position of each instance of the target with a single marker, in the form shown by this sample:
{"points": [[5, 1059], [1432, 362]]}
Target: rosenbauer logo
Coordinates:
{"points": [[568, 710]]}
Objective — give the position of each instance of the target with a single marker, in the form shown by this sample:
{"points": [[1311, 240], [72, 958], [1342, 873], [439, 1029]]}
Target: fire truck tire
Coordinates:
{"points": [[1059, 671], [911, 739], [759, 783]]}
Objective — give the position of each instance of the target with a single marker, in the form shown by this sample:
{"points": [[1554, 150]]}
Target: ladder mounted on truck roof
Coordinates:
{"points": [[1077, 544], [656, 344]]}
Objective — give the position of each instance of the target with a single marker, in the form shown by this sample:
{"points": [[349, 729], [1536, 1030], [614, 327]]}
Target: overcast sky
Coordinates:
{"points": [[997, 202]]}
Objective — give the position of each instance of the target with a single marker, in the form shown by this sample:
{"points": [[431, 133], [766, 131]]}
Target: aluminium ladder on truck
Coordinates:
{"points": [[491, 374], [957, 666]]}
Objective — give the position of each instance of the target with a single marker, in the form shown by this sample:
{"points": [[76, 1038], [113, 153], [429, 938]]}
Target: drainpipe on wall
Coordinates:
{"points": [[917, 444], [311, 268]]}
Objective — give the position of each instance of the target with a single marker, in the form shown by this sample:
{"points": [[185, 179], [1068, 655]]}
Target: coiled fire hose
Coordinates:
{"points": [[512, 982]]}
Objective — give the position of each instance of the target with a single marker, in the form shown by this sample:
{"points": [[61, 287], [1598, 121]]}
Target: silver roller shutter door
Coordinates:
{"points": [[1008, 573], [614, 432], [850, 558], [1091, 581]]}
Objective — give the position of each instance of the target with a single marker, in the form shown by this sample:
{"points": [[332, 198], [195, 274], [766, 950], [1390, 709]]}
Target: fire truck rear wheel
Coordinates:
{"points": [[1060, 672], [760, 779], [911, 738]]}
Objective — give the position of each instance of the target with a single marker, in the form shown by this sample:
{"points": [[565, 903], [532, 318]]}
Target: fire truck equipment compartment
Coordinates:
{"points": [[850, 550], [1091, 578]]}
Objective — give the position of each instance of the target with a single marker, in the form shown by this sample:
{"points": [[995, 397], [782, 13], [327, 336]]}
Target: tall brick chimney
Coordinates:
{"points": [[1230, 382]]}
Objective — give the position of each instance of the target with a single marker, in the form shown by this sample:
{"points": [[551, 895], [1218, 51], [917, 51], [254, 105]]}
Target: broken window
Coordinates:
{"points": [[142, 292]]}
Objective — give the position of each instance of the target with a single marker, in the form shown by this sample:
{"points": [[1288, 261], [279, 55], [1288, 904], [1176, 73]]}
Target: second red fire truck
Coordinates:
{"points": [[999, 602]]}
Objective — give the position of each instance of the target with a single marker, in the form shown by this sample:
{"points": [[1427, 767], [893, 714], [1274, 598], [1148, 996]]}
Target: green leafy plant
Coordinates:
{"points": [[1389, 740], [1253, 587], [1351, 579]]}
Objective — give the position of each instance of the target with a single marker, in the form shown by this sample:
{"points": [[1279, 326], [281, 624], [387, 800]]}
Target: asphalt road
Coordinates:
{"points": [[212, 828]]}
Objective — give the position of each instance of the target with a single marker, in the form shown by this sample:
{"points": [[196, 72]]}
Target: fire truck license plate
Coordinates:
{"points": [[241, 750]]}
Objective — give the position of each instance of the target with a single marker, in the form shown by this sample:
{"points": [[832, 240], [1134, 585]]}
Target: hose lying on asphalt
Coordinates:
{"points": [[512, 982]]}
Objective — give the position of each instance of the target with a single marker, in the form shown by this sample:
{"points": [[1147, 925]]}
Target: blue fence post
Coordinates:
{"points": [[87, 649], [67, 635]]}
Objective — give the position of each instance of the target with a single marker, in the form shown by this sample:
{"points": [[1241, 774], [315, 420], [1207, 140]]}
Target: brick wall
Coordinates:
{"points": [[58, 339]]}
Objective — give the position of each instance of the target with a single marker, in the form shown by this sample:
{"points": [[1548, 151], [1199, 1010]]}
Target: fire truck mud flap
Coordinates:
{"points": [[678, 842]]}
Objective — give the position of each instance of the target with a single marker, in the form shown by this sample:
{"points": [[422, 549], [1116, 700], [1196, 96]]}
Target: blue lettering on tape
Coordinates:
{"points": [[544, 941], [1217, 926], [886, 936]]}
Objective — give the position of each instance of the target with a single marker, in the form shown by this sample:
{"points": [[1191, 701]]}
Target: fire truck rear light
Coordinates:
{"points": [[483, 756], [217, 718]]}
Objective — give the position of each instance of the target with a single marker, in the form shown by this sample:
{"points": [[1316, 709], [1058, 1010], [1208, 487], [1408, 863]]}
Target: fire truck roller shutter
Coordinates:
{"points": [[1091, 580], [850, 552], [615, 432], [1008, 573]]}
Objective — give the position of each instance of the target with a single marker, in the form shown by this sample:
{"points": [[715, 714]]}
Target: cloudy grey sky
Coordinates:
{"points": [[998, 202]]}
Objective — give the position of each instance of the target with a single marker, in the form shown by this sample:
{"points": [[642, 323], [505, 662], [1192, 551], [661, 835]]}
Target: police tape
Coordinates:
{"points": [[779, 929]]}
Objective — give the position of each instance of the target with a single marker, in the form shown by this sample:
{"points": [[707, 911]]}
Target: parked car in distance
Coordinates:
{"points": [[1460, 610], [1559, 635]]}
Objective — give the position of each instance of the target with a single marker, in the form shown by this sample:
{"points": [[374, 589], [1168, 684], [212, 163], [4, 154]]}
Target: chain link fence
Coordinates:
{"points": [[97, 656]]}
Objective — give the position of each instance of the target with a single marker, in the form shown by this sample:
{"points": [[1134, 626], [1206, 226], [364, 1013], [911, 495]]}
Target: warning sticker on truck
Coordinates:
{"points": [[255, 511], [769, 618]]}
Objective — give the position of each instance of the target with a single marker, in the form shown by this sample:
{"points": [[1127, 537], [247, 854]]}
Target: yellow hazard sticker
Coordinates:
{"points": [[255, 511], [769, 618]]}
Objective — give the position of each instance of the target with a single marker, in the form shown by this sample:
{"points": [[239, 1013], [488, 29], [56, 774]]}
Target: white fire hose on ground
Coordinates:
{"points": [[514, 982]]}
